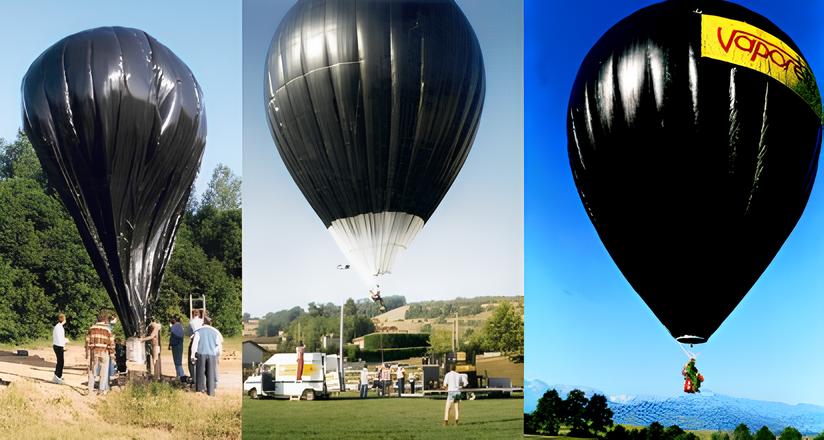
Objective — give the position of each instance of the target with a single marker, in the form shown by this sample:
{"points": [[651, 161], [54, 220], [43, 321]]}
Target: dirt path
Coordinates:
{"points": [[39, 366]]}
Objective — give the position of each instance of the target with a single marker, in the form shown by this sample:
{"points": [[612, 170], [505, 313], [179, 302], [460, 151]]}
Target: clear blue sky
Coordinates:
{"points": [[205, 35], [471, 246], [584, 324]]}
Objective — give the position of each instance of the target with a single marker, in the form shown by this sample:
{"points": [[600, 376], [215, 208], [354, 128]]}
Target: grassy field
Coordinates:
{"points": [[380, 418]]}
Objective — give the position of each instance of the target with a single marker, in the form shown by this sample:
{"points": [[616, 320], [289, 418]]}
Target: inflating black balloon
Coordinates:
{"points": [[374, 106], [380, 114], [694, 134], [118, 123]]}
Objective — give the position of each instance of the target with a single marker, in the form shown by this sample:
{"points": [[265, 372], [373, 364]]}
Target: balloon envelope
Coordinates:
{"points": [[374, 106], [118, 123], [693, 135]]}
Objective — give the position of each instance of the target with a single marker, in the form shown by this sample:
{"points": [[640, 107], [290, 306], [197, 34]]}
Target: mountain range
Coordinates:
{"points": [[705, 411]]}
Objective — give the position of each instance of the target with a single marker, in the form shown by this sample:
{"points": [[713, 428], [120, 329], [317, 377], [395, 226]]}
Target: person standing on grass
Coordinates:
{"points": [[59, 347], [364, 382], [154, 337], [453, 383], [386, 379], [176, 346], [400, 374], [377, 383], [207, 344], [99, 349]]}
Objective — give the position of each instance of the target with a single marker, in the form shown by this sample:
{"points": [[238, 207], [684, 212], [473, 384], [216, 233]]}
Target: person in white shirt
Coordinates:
{"points": [[59, 346], [194, 324], [208, 344], [400, 374], [364, 382], [453, 382]]}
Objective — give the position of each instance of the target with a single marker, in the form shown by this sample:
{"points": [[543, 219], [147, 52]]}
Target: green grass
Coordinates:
{"points": [[160, 406], [380, 418]]}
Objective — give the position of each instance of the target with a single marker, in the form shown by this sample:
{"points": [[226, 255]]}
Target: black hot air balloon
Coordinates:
{"points": [[374, 106], [118, 123], [694, 132]]}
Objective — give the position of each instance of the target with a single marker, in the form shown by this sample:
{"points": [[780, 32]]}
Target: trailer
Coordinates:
{"points": [[277, 377]]}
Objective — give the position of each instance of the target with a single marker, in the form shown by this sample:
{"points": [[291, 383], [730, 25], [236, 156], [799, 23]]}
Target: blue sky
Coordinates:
{"points": [[472, 245], [205, 35], [584, 324]]}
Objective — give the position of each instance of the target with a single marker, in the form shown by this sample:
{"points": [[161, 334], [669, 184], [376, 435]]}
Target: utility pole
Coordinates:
{"points": [[457, 333], [340, 347]]}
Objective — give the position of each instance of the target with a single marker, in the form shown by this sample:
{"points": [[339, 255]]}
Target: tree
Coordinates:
{"points": [[350, 308], [548, 414], [764, 434], [655, 431], [440, 341], [618, 433], [672, 432], [598, 413], [219, 234], [721, 435], [223, 192], [505, 329], [246, 316], [819, 436], [741, 432], [790, 433], [22, 304], [18, 159], [575, 413]]}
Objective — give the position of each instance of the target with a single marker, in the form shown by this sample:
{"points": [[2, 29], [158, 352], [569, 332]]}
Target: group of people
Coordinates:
{"points": [[99, 350], [383, 380], [106, 358]]}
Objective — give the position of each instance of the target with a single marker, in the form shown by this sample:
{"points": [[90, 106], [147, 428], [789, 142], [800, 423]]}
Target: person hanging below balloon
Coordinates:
{"points": [[692, 379], [375, 294]]}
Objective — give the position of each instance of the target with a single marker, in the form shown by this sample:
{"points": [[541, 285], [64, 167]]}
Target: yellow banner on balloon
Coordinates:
{"points": [[745, 45]]}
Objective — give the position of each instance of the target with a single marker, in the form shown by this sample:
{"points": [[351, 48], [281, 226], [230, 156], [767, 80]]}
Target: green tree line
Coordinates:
{"points": [[45, 269], [459, 306]]}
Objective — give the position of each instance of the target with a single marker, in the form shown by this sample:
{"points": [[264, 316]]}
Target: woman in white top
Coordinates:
{"points": [[59, 347]]}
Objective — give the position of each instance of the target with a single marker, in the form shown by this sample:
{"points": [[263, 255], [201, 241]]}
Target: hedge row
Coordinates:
{"points": [[392, 354], [376, 341]]}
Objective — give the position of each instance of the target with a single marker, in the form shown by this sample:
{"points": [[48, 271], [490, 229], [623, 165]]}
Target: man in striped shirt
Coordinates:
{"points": [[99, 348]]}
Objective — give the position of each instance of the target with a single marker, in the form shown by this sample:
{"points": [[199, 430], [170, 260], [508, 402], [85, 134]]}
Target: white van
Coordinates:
{"points": [[278, 379]]}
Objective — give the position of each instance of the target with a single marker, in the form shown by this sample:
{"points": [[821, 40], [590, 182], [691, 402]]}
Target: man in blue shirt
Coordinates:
{"points": [[207, 344], [176, 346]]}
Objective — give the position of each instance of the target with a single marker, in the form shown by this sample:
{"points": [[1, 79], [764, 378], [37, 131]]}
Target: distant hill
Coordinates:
{"points": [[705, 411], [441, 314]]}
